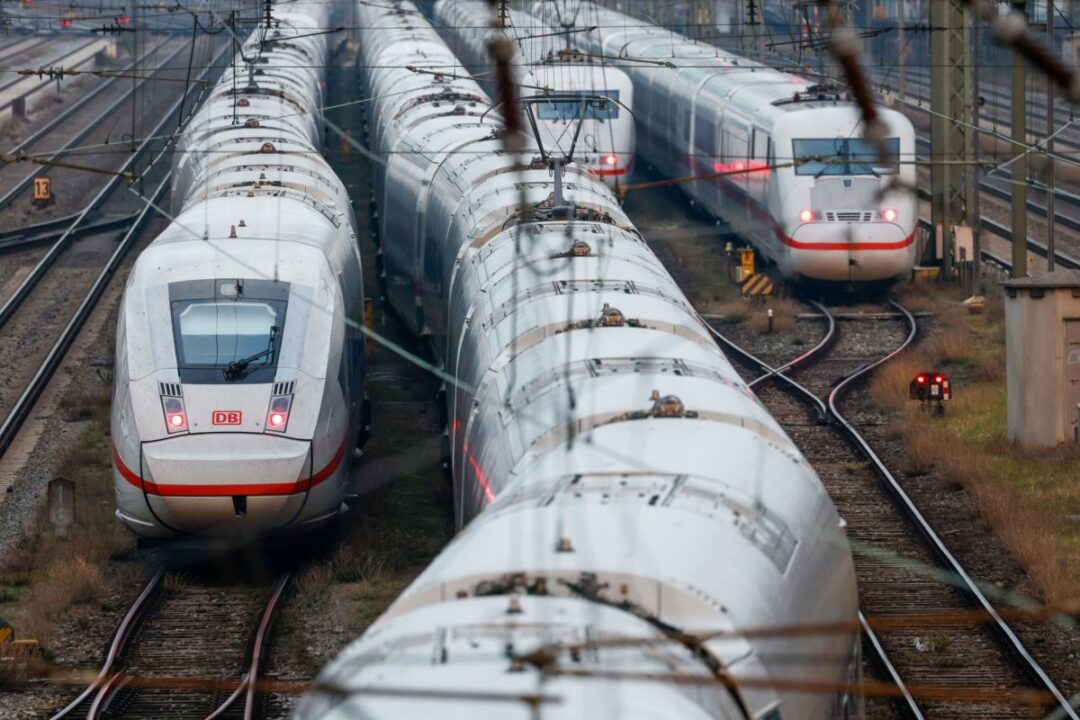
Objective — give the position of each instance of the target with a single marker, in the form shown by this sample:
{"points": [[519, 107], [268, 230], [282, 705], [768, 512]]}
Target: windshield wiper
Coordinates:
{"points": [[236, 369]]}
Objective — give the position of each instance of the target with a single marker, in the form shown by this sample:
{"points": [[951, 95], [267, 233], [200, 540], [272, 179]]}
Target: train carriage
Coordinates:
{"points": [[578, 90], [802, 184], [239, 391], [617, 486]]}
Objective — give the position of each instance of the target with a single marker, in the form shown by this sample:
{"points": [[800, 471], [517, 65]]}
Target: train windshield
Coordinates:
{"points": [[229, 332], [597, 104], [843, 156]]}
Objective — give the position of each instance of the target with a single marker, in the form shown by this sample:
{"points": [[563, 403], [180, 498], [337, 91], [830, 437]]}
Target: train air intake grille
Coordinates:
{"points": [[170, 389], [849, 216]]}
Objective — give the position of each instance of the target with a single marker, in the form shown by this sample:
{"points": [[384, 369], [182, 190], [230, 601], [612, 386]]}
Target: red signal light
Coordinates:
{"points": [[125, 20], [920, 379], [938, 379], [65, 23]]}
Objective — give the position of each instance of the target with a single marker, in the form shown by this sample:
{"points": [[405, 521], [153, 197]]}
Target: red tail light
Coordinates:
{"points": [[65, 23], [277, 417], [125, 20], [175, 417]]}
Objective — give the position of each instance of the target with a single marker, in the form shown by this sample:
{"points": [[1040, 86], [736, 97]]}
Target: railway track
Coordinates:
{"points": [[186, 648], [998, 106], [68, 129], [1001, 191], [944, 668], [10, 53], [32, 361], [46, 62]]}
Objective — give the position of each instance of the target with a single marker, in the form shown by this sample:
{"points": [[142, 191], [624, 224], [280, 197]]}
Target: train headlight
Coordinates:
{"points": [[807, 216], [277, 417], [175, 417], [888, 215], [610, 159]]}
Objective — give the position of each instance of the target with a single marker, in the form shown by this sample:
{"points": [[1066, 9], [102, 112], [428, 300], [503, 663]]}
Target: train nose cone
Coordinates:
{"points": [[227, 485]]}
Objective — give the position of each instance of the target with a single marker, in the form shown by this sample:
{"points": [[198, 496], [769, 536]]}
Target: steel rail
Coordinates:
{"points": [[249, 682], [808, 396], [990, 188], [1036, 111], [8, 198], [14, 49], [27, 285], [1062, 259], [19, 78], [812, 353], [119, 642], [890, 669], [23, 406], [970, 587], [34, 234], [261, 638], [111, 679]]}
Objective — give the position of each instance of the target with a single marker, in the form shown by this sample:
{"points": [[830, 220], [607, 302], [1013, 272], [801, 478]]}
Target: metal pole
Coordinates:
{"points": [[902, 46], [760, 30], [976, 171], [1051, 230], [1019, 166]]}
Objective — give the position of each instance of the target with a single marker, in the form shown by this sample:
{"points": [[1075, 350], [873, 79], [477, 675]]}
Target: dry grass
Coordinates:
{"points": [[1026, 497], [46, 578], [785, 312]]}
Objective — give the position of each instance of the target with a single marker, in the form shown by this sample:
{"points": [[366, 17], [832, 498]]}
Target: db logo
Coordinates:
{"points": [[226, 417]]}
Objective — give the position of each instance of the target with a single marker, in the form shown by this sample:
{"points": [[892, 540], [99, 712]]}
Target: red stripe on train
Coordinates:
{"points": [[223, 490]]}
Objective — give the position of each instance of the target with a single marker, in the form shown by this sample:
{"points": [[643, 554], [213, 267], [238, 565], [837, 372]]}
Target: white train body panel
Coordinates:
{"points": [[597, 521], [719, 112], [262, 254], [606, 143]]}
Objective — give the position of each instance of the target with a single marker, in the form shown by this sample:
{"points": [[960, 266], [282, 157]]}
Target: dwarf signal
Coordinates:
{"points": [[931, 389]]}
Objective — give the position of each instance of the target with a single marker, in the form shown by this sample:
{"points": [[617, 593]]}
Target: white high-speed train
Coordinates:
{"points": [[239, 387], [630, 514], [833, 216], [579, 91]]}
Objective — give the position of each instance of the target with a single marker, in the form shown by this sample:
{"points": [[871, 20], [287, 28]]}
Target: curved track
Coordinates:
{"points": [[946, 659], [185, 649]]}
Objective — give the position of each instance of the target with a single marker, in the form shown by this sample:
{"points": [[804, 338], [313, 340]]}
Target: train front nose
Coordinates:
{"points": [[851, 252], [226, 484]]}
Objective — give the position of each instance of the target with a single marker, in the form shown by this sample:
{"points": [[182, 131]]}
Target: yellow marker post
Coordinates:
{"points": [[746, 264]]}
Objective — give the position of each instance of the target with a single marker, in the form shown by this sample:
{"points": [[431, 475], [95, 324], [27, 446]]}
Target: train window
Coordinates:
{"points": [[217, 333], [228, 331], [843, 156], [565, 106]]}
